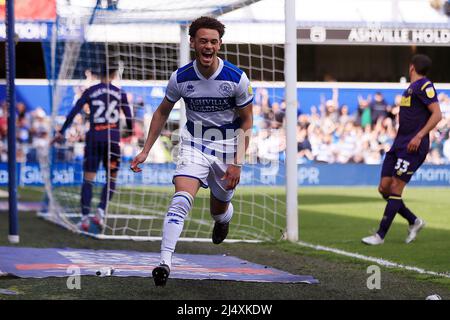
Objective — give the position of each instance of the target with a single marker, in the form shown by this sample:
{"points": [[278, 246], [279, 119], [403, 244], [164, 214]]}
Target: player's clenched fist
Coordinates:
{"points": [[414, 144], [233, 175], [140, 158]]}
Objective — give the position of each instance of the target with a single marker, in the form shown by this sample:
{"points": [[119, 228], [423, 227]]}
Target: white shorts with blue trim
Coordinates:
{"points": [[208, 169]]}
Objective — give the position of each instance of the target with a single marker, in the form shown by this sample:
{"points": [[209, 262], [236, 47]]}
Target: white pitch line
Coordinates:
{"points": [[382, 262]]}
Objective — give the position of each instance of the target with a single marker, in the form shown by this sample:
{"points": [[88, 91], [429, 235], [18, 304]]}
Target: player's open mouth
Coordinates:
{"points": [[207, 57]]}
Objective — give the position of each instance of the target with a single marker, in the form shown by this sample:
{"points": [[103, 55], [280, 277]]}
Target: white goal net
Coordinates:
{"points": [[150, 41]]}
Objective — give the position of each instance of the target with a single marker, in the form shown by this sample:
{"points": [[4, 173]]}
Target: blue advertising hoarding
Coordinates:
{"points": [[71, 174]]}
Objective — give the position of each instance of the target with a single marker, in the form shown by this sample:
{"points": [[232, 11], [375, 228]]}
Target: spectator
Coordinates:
{"points": [[269, 148], [394, 111], [277, 116], [280, 112], [364, 112], [446, 149], [138, 105], [258, 119], [372, 157], [331, 110], [21, 110], [378, 108], [444, 102], [40, 128], [344, 149], [262, 99], [3, 132], [23, 131], [76, 132], [3, 121], [324, 151], [304, 149], [434, 157], [344, 116]]}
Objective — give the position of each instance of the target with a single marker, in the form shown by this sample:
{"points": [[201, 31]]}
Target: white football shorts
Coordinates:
{"points": [[206, 167]]}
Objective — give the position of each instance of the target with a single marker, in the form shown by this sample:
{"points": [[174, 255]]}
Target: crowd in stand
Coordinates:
{"points": [[32, 133], [329, 133]]}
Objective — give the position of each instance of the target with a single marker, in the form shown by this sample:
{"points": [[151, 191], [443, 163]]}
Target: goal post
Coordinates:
{"points": [[185, 58], [290, 71], [13, 235], [150, 40]]}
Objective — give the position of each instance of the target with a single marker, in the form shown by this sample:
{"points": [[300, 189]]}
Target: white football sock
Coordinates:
{"points": [[224, 217], [173, 224], [166, 258]]}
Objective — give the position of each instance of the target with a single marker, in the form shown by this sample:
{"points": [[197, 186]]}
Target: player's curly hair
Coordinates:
{"points": [[207, 23]]}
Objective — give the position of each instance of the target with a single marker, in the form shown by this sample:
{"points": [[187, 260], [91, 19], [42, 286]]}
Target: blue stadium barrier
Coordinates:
{"points": [[70, 174]]}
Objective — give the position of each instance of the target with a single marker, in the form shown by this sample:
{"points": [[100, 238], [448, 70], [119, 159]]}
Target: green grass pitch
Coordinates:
{"points": [[333, 217]]}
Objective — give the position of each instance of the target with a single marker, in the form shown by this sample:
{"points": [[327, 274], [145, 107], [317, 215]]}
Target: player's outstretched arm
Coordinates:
{"points": [[158, 121], [128, 116], [432, 122], [245, 133], [59, 135]]}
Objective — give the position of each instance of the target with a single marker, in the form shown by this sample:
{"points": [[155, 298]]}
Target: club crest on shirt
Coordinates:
{"points": [[410, 91], [430, 92], [225, 89]]}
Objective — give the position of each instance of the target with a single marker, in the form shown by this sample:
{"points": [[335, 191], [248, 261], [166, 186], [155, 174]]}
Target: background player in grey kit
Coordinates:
{"points": [[105, 101], [419, 114]]}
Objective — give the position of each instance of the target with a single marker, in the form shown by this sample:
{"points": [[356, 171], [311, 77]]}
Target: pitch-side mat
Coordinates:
{"points": [[42, 263], [22, 206]]}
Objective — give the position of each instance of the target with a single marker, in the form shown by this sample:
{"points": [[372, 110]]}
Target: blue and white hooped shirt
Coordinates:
{"points": [[211, 104]]}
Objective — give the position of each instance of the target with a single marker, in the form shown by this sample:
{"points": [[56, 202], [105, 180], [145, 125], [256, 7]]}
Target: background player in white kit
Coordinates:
{"points": [[218, 99]]}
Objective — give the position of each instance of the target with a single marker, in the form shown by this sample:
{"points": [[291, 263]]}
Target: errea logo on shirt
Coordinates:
{"points": [[190, 88]]}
